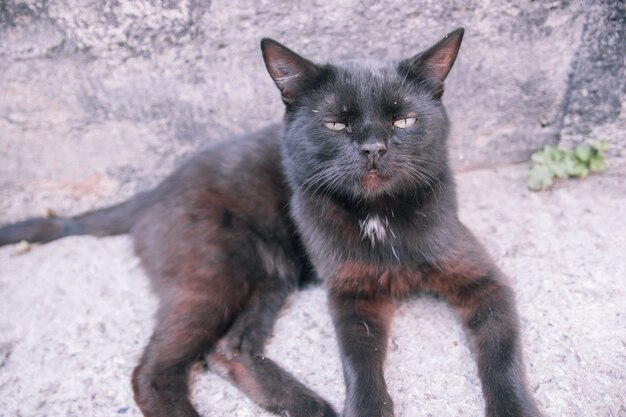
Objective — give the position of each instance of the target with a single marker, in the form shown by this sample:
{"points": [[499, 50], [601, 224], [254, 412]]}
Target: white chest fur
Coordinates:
{"points": [[374, 229]]}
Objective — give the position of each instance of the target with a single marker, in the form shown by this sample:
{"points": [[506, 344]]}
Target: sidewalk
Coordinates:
{"points": [[76, 313]]}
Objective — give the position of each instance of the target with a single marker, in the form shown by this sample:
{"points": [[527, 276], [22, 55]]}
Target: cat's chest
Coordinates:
{"points": [[388, 238], [384, 237], [374, 280], [375, 229], [381, 250], [377, 254]]}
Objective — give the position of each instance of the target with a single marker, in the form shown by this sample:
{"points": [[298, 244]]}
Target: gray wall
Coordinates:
{"points": [[100, 98]]}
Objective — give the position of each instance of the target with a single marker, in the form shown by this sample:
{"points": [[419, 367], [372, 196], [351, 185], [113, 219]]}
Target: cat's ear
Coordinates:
{"points": [[434, 64], [291, 72]]}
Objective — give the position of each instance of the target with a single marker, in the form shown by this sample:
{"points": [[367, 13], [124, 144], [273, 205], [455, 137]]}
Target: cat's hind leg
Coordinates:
{"points": [[187, 327], [222, 279], [239, 358]]}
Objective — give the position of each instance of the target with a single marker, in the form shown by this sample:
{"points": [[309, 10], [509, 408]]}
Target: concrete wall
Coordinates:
{"points": [[100, 98]]}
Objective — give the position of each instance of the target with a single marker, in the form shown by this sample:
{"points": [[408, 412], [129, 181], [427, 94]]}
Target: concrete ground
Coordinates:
{"points": [[76, 313]]}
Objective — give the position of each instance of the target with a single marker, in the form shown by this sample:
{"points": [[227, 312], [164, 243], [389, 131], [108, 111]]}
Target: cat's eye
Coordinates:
{"points": [[335, 125], [405, 122]]}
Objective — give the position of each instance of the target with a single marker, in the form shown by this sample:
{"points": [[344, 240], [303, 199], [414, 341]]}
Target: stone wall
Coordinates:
{"points": [[101, 98]]}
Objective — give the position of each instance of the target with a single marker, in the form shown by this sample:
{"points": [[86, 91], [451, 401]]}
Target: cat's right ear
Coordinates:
{"points": [[291, 72]]}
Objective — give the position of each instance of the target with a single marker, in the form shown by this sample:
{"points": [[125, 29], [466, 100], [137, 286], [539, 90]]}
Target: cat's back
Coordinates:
{"points": [[244, 168], [240, 178], [224, 202]]}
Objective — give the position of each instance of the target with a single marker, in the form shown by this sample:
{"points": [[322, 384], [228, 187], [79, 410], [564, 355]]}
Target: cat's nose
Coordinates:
{"points": [[373, 149]]}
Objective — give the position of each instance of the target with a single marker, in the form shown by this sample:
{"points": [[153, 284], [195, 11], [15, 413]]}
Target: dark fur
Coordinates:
{"points": [[369, 208]]}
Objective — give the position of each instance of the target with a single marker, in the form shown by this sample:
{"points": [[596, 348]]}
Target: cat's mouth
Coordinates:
{"points": [[373, 178]]}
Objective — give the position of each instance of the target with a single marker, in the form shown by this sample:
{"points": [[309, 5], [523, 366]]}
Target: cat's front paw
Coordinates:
{"points": [[379, 409], [525, 409]]}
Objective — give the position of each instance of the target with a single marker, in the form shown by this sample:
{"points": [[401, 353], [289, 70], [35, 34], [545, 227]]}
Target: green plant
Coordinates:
{"points": [[556, 162]]}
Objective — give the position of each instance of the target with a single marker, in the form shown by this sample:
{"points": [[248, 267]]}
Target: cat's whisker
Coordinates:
{"points": [[319, 180]]}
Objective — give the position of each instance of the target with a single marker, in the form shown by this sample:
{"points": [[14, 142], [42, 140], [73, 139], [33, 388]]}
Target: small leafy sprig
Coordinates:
{"points": [[556, 162]]}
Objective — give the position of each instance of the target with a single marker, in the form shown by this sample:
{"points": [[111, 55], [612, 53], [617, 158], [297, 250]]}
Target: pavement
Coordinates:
{"points": [[76, 313]]}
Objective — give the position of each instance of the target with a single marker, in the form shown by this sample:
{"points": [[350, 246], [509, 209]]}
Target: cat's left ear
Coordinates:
{"points": [[434, 64], [291, 72]]}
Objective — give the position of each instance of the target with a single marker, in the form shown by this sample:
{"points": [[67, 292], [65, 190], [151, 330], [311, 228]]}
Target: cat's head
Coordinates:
{"points": [[364, 129]]}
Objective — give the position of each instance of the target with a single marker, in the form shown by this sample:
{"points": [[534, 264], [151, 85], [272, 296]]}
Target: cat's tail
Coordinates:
{"points": [[114, 220]]}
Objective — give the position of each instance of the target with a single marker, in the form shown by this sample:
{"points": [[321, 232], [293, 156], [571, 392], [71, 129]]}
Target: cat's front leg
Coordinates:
{"points": [[479, 292], [488, 310], [362, 327]]}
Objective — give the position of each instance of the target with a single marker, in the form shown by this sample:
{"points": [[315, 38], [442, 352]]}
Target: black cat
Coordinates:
{"points": [[353, 188]]}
